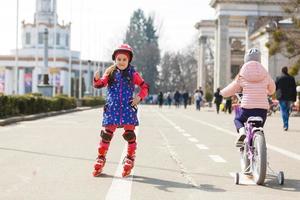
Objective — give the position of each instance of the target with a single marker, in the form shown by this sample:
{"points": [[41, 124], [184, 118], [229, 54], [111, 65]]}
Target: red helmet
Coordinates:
{"points": [[124, 48]]}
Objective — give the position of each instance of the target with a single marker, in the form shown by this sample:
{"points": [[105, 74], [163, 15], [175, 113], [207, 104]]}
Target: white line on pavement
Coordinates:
{"points": [[272, 147], [217, 158], [193, 139], [186, 135], [174, 156], [202, 146], [284, 152], [121, 187]]}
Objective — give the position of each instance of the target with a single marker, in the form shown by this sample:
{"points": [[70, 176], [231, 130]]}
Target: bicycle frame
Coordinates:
{"points": [[250, 133], [249, 139]]}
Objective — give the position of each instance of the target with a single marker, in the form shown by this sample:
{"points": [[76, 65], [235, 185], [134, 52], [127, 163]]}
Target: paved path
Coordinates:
{"points": [[182, 154]]}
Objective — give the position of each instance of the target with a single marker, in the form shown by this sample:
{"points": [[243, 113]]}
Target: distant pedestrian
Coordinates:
{"points": [[228, 105], [177, 97], [286, 94], [201, 91], [198, 99], [218, 99], [185, 97], [160, 99], [169, 99]]}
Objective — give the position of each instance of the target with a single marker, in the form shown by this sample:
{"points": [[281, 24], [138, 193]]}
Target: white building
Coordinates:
{"points": [[29, 59], [239, 25]]}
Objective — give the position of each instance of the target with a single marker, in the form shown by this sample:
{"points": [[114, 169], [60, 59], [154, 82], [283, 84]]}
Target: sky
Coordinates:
{"points": [[100, 25]]}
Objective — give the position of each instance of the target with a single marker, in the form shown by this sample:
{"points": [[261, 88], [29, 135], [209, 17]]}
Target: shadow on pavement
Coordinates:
{"points": [[166, 185], [290, 185]]}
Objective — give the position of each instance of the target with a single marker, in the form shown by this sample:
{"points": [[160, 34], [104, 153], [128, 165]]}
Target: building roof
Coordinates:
{"points": [[213, 3], [205, 23]]}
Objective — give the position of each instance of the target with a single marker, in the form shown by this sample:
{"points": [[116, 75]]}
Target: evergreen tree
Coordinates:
{"points": [[141, 36]]}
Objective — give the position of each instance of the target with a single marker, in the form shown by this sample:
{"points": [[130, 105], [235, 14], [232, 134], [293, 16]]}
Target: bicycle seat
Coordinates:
{"points": [[255, 121]]}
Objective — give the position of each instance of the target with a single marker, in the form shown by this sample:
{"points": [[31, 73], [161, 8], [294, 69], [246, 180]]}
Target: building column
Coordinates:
{"points": [[64, 81], [250, 22], [36, 71], [85, 81], [21, 80], [201, 77], [8, 81], [215, 80], [222, 65]]}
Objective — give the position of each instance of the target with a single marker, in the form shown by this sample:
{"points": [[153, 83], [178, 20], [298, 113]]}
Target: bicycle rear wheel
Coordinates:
{"points": [[259, 161]]}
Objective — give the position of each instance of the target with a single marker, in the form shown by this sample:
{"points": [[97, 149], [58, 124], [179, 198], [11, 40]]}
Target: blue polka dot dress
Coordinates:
{"points": [[118, 109]]}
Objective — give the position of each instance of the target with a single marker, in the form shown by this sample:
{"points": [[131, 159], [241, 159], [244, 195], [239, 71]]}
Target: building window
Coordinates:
{"points": [[28, 38], [57, 39], [41, 38], [67, 40]]}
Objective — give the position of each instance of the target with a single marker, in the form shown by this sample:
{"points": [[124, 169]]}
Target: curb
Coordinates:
{"points": [[12, 120]]}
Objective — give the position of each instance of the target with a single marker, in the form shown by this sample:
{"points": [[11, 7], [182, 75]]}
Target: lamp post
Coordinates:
{"points": [[45, 88], [45, 68], [88, 88], [15, 76]]}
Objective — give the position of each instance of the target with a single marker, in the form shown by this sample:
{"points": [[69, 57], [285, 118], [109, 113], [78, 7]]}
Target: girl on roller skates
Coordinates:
{"points": [[120, 109]]}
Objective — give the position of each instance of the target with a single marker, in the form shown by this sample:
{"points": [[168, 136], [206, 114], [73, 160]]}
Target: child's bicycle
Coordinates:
{"points": [[253, 153]]}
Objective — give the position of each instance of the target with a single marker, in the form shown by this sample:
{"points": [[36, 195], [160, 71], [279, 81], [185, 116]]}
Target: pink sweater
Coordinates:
{"points": [[255, 83]]}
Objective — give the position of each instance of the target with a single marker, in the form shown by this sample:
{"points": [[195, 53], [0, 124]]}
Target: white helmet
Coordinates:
{"points": [[252, 54]]}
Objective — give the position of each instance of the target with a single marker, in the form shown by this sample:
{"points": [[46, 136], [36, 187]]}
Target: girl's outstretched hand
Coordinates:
{"points": [[135, 101]]}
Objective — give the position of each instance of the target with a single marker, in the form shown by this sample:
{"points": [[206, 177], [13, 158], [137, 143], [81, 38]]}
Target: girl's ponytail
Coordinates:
{"points": [[111, 71]]}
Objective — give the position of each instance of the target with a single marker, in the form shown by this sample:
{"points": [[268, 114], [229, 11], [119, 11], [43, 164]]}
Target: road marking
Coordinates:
{"points": [[217, 158], [202, 146], [186, 135], [174, 156], [121, 187], [272, 147], [181, 130], [284, 152], [193, 139]]}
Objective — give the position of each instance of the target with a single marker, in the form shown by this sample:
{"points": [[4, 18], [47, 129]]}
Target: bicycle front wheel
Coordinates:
{"points": [[259, 161]]}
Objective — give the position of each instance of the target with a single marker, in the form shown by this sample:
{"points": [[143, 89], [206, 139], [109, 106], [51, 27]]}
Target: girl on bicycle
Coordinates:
{"points": [[120, 108], [256, 84]]}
